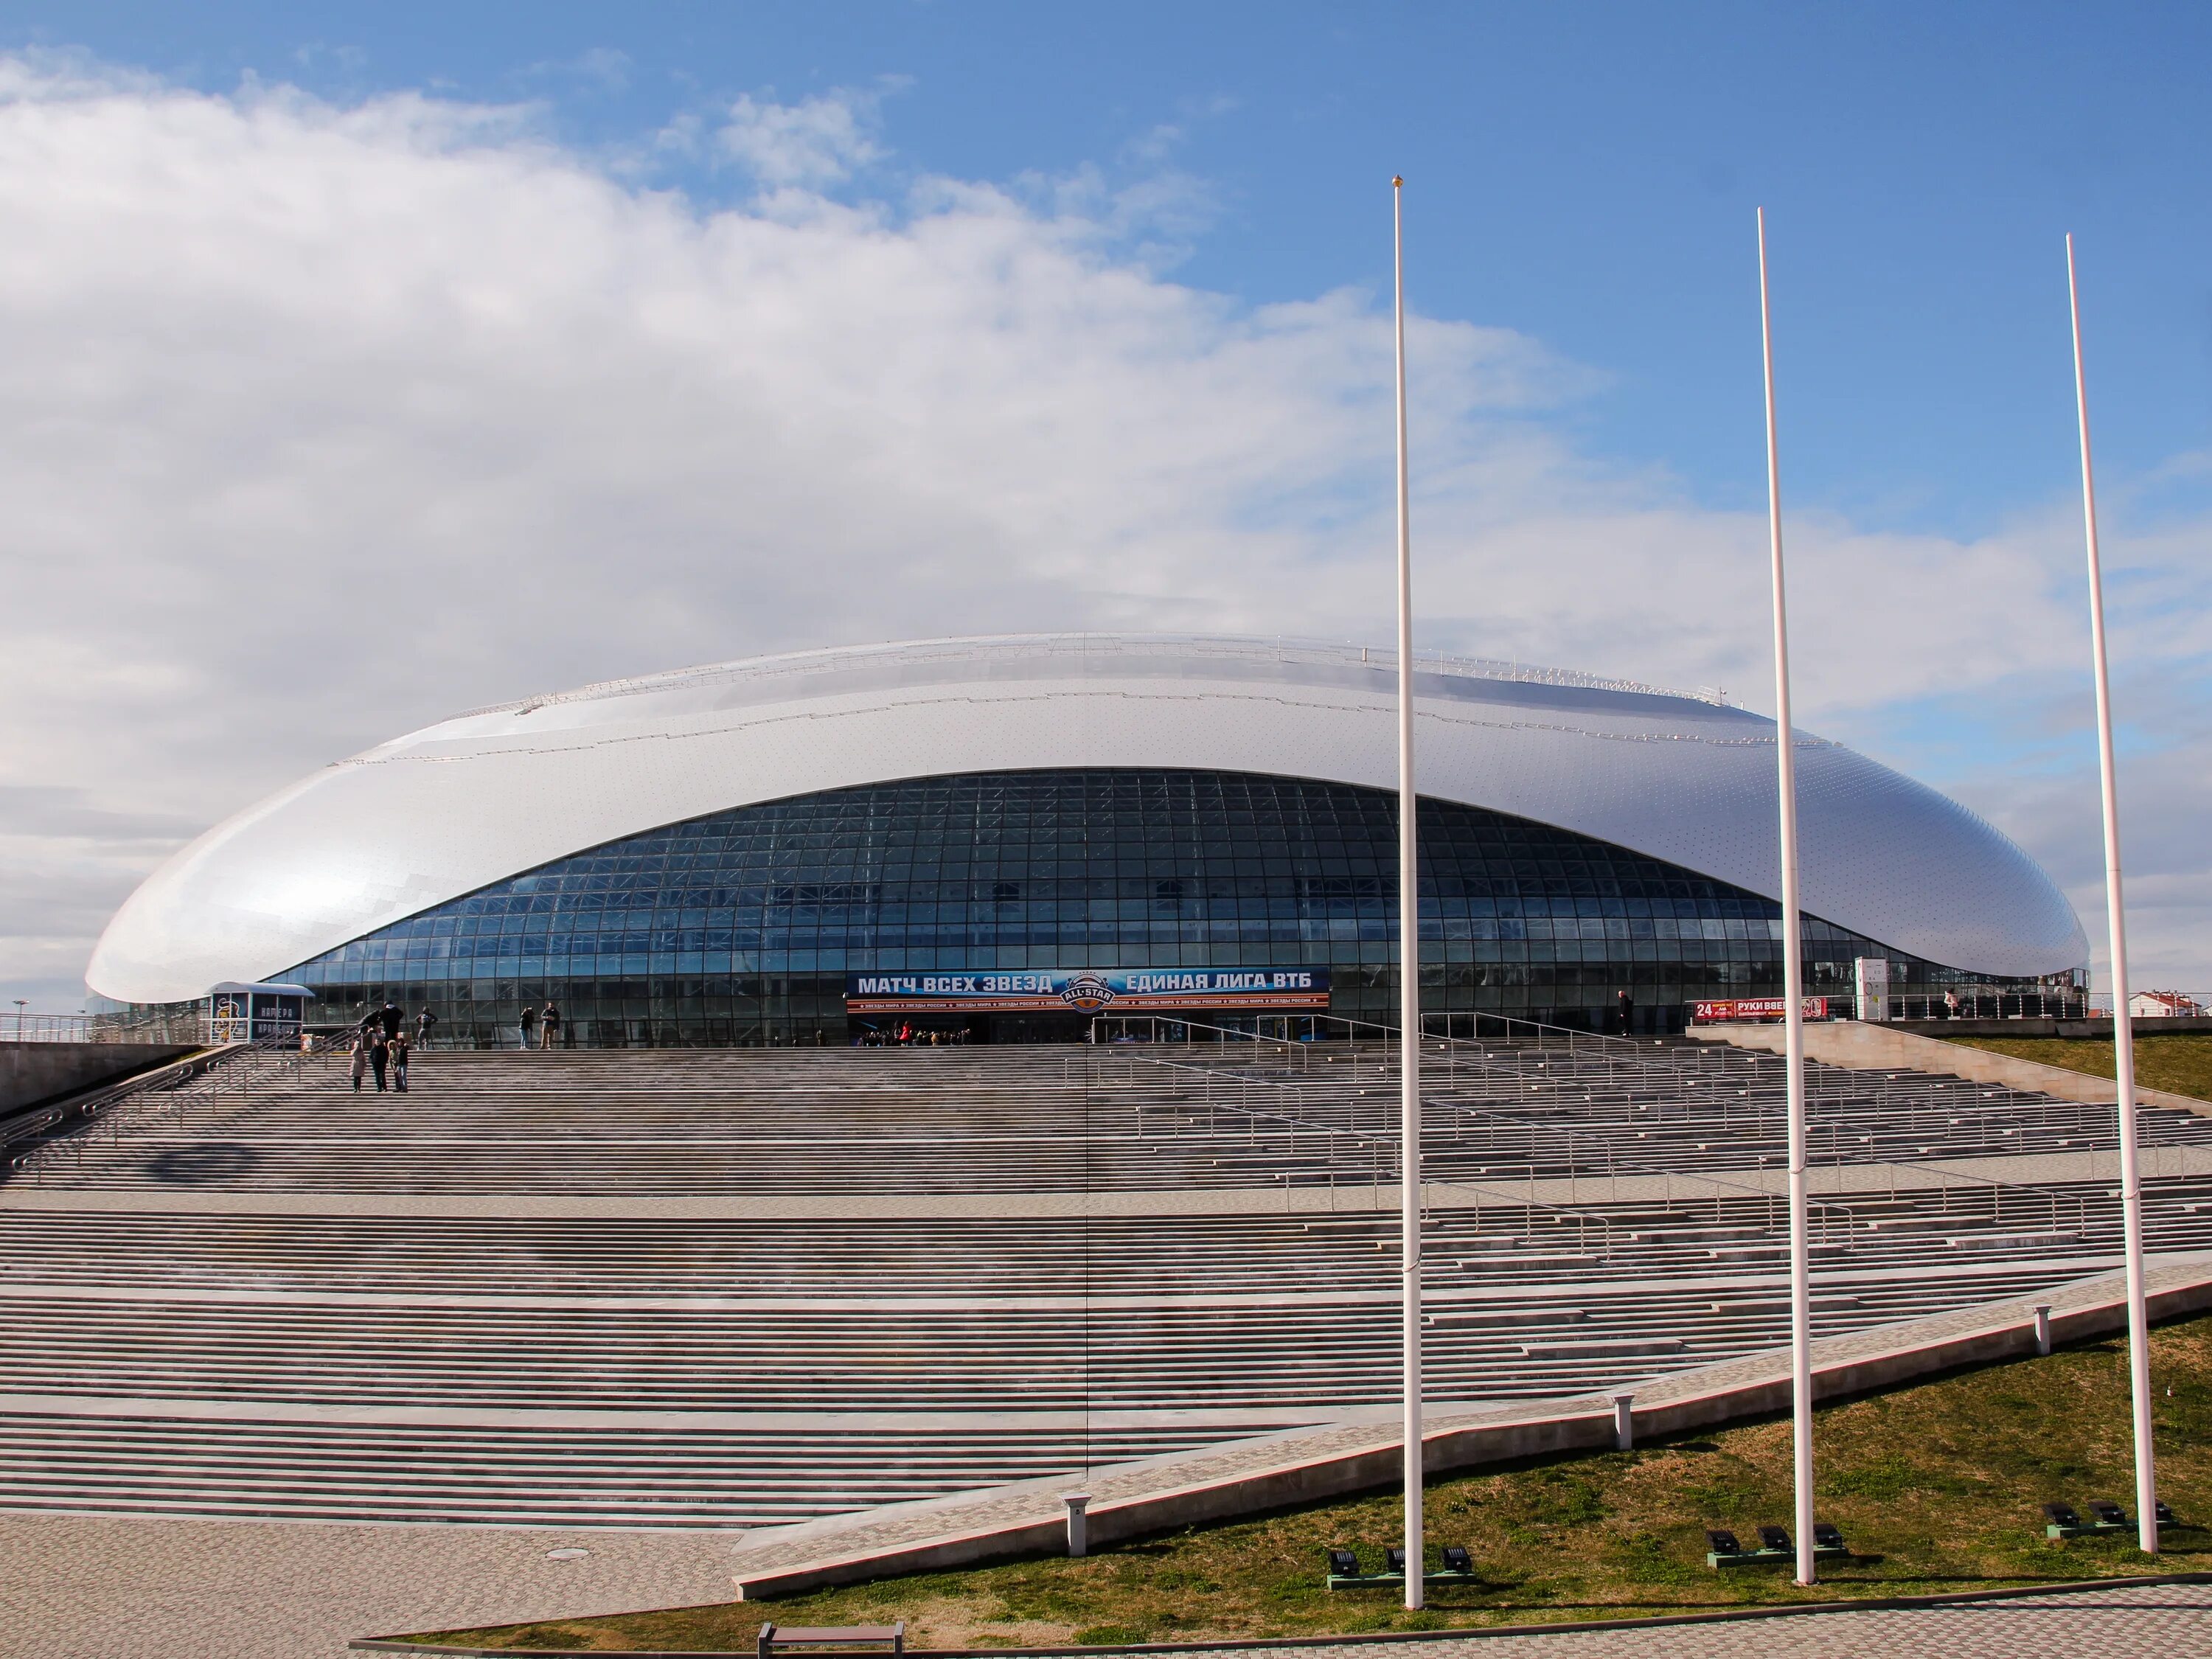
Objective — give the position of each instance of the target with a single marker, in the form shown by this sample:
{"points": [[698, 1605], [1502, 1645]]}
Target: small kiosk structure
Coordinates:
{"points": [[239, 1012]]}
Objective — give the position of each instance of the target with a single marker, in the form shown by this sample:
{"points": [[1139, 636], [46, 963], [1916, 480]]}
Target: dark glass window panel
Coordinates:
{"points": [[740, 925]]}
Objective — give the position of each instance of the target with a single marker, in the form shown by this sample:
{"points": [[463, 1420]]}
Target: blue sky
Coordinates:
{"points": [[600, 334]]}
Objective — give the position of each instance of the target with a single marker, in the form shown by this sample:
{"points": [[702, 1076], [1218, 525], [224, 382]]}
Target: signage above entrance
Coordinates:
{"points": [[239, 1012], [1086, 991], [1714, 1013]]}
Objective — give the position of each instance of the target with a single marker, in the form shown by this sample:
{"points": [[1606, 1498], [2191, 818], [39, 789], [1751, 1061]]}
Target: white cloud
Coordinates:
{"points": [[317, 423], [807, 145]]}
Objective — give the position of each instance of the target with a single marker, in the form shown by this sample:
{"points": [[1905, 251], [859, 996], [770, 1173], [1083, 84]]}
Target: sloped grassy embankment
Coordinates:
{"points": [[1937, 1485], [2181, 1064]]}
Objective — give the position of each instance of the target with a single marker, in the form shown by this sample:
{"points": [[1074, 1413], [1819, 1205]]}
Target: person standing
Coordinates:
{"points": [[549, 1025], [529, 1026], [391, 1016], [1628, 1005], [399, 1052], [359, 1059], [380, 1057], [423, 1022]]}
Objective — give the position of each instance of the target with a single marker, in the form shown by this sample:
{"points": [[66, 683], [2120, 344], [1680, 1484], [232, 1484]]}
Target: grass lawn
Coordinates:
{"points": [[2181, 1064], [1936, 1485]]}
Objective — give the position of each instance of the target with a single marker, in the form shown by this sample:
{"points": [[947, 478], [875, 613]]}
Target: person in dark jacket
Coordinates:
{"points": [[549, 1026], [529, 1025], [423, 1022], [1628, 1005], [380, 1057], [392, 1017], [399, 1051]]}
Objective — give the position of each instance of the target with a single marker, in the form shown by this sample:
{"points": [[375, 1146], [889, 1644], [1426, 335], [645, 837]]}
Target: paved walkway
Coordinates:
{"points": [[97, 1588], [108, 1588]]}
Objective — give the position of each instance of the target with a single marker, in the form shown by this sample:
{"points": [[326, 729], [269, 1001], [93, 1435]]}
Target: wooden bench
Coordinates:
{"points": [[773, 1636]]}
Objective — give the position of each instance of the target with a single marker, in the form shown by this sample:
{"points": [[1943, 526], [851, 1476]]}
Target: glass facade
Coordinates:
{"points": [[740, 927]]}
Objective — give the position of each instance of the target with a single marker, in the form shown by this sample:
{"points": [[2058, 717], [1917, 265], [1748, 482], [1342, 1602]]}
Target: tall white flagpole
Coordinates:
{"points": [[2124, 1036], [1409, 957], [1793, 980]]}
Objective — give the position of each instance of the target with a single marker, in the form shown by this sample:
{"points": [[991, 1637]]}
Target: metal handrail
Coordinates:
{"points": [[41, 1121], [1569, 1134], [1382, 1142], [1612, 1164], [172, 1092], [103, 1029], [2052, 1195], [1453, 1045]]}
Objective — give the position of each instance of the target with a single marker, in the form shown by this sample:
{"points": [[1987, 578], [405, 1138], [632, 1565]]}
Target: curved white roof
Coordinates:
{"points": [[444, 811]]}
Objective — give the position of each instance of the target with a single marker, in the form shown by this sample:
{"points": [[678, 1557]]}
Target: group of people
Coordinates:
{"points": [[543, 1024], [907, 1035], [381, 1045]]}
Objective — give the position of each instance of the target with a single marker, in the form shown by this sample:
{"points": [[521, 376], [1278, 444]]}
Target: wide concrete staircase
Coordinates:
{"points": [[748, 1287]]}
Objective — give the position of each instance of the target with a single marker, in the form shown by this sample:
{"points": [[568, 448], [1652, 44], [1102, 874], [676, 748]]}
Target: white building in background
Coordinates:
{"points": [[2155, 1005]]}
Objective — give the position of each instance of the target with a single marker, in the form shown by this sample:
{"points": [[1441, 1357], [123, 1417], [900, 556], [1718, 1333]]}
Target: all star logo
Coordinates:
{"points": [[1087, 992]]}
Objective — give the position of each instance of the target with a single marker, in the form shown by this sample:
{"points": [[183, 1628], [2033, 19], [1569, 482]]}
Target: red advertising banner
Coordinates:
{"points": [[1715, 1013]]}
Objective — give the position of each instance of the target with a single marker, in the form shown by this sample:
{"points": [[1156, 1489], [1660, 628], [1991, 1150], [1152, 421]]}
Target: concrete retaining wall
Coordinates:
{"points": [[31, 1073], [1885, 1047]]}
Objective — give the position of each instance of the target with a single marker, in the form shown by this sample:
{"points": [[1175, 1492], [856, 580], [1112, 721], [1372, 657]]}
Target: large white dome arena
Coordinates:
{"points": [[721, 853]]}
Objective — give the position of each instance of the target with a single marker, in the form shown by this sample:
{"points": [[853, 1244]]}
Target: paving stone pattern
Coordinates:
{"points": [[105, 1587]]}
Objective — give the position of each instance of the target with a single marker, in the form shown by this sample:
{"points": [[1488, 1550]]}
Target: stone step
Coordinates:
{"points": [[376, 1322], [1626, 1347]]}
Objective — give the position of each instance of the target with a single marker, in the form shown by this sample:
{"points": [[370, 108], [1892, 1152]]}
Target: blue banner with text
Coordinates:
{"points": [[1086, 990]]}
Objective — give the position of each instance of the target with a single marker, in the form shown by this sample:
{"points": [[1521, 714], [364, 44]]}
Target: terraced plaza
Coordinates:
{"points": [[733, 1289]]}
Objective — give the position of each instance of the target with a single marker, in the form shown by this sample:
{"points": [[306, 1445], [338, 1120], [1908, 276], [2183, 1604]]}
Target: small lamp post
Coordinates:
{"points": [[1078, 1527]]}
